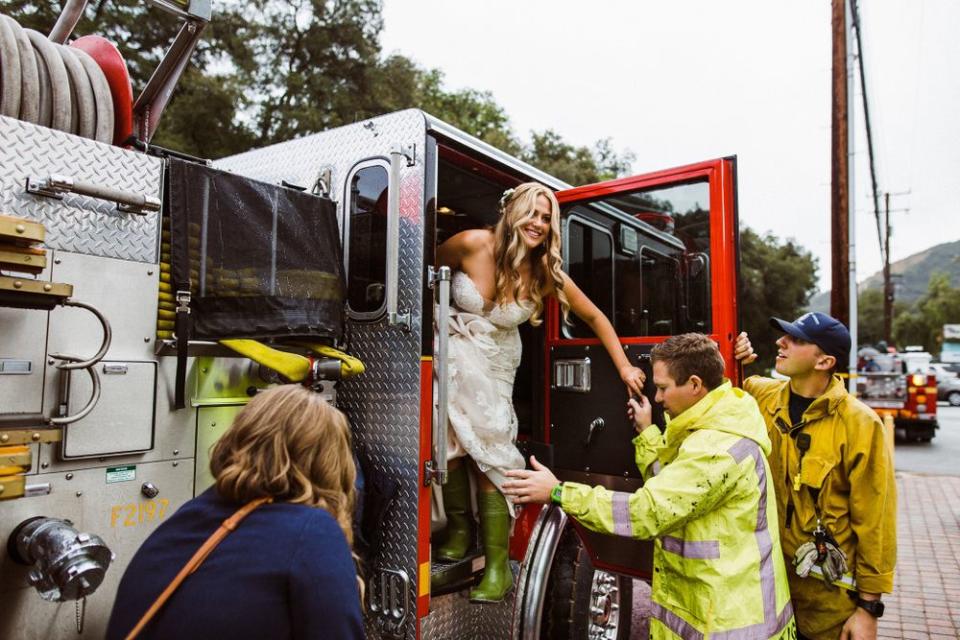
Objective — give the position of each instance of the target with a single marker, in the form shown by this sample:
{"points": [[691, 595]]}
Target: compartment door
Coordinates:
{"points": [[658, 254]]}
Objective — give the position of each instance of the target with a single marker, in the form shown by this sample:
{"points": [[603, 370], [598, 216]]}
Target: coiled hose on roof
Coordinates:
{"points": [[51, 84]]}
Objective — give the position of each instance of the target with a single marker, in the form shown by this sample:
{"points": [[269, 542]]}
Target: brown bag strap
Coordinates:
{"points": [[228, 525]]}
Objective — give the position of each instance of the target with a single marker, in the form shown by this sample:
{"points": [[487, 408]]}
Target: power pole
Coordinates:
{"points": [[887, 281], [888, 288], [839, 170]]}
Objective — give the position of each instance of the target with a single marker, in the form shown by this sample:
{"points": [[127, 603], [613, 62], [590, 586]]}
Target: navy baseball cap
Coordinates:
{"points": [[827, 333]]}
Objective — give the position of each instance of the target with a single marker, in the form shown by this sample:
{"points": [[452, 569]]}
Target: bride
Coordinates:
{"points": [[501, 278]]}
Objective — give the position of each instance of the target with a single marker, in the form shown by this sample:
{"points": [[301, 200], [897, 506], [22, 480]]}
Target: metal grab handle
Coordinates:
{"points": [[91, 403], [54, 186], [595, 425], [440, 281], [68, 19], [72, 363], [78, 363], [398, 160]]}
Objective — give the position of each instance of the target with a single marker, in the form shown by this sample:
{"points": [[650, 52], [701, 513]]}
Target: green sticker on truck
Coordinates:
{"points": [[121, 474]]}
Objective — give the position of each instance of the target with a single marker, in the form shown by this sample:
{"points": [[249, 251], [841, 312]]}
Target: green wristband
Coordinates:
{"points": [[556, 496]]}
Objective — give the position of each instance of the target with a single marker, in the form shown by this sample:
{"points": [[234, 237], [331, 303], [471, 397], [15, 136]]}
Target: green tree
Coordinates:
{"points": [[777, 280], [576, 165], [922, 324], [870, 316], [271, 70]]}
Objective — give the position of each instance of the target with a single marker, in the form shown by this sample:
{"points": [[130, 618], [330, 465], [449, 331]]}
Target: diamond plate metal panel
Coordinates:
{"points": [[454, 617], [384, 403], [79, 223]]}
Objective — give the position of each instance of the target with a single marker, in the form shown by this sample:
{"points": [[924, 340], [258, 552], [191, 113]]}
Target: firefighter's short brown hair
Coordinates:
{"points": [[691, 354]]}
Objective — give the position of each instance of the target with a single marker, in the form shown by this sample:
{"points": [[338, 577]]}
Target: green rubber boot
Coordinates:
{"points": [[495, 531], [456, 503]]}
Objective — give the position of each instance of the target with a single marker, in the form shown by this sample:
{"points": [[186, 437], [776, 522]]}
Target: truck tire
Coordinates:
{"points": [[954, 398], [581, 602]]}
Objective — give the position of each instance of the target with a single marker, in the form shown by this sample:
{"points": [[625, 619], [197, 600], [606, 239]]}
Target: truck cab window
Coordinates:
{"points": [[366, 239], [588, 255], [655, 279]]}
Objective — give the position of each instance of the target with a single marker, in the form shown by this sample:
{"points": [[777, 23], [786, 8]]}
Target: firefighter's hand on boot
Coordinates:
{"points": [[743, 350], [530, 486], [641, 412]]}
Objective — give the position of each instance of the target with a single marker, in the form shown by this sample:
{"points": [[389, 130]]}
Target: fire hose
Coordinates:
{"points": [[50, 84]]}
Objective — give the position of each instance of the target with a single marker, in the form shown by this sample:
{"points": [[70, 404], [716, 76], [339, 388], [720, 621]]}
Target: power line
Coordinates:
{"points": [[855, 15]]}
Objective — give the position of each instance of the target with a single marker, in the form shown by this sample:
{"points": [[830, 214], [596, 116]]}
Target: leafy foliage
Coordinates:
{"points": [[777, 279], [272, 70], [922, 324], [575, 165]]}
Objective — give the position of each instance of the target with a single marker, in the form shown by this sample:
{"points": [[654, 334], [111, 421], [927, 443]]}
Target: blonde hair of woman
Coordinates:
{"points": [[518, 207], [290, 444]]}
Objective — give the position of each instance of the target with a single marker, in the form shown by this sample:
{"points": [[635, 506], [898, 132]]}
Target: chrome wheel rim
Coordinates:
{"points": [[604, 607]]}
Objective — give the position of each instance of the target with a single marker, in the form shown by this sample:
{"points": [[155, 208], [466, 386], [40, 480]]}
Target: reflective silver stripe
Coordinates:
{"points": [[656, 467], [674, 622], [762, 629], [621, 514], [772, 623], [694, 549]]}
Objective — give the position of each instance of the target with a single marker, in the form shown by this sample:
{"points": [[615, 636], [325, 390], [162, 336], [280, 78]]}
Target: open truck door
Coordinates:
{"points": [[657, 253]]}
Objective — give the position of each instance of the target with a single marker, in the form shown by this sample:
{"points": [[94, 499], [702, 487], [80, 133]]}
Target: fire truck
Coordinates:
{"points": [[903, 386], [108, 405]]}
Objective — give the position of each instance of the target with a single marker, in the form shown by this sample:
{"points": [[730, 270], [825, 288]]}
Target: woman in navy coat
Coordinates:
{"points": [[287, 571]]}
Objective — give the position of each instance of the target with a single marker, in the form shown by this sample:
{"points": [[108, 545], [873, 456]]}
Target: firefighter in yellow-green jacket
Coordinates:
{"points": [[707, 501]]}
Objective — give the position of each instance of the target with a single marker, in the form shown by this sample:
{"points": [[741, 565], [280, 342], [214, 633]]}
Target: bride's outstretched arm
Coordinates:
{"points": [[581, 305]]}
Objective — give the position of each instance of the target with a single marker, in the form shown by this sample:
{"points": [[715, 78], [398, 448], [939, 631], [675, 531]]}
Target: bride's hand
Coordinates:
{"points": [[633, 377]]}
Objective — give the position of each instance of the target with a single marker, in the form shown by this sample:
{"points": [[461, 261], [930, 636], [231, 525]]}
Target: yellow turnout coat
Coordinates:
{"points": [[849, 469]]}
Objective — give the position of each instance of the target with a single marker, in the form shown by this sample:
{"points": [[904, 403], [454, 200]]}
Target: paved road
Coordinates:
{"points": [[940, 456]]}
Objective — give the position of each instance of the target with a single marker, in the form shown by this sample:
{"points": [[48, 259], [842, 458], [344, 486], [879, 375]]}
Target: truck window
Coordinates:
{"points": [[588, 255], [659, 295], [655, 280], [365, 243]]}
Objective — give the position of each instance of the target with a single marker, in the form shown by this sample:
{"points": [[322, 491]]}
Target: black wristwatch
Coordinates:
{"points": [[873, 607]]}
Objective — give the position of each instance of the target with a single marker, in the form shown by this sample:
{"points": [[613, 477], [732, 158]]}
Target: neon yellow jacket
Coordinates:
{"points": [[708, 501]]}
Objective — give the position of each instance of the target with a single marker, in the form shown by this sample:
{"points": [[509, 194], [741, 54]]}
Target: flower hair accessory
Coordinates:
{"points": [[505, 198]]}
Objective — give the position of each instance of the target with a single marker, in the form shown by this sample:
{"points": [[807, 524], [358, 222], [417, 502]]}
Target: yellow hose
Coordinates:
{"points": [[291, 366]]}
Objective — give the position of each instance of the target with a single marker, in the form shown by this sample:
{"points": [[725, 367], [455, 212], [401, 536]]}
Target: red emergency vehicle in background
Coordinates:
{"points": [[901, 385]]}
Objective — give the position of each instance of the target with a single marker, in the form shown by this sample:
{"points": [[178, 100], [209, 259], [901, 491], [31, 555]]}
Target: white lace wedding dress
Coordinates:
{"points": [[484, 353]]}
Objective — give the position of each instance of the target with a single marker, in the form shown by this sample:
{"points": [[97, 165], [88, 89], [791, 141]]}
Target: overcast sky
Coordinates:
{"points": [[678, 82]]}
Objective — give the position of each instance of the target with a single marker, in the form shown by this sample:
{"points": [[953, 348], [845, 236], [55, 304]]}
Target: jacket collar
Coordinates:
{"points": [[825, 404], [679, 428]]}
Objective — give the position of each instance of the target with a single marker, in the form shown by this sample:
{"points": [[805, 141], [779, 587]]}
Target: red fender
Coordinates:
{"points": [[108, 57]]}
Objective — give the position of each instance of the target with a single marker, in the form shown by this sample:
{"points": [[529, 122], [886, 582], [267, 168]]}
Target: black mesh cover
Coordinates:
{"points": [[260, 260]]}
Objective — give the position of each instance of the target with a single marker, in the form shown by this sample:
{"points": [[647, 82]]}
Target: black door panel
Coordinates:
{"points": [[581, 442]]}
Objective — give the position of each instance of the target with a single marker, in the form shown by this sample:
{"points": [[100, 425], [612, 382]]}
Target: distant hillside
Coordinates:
{"points": [[914, 272]]}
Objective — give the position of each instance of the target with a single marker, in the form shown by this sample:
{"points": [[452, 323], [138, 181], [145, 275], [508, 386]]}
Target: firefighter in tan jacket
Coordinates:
{"points": [[833, 478]]}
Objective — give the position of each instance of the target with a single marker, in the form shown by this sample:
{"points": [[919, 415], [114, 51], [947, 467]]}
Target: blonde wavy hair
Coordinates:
{"points": [[290, 444], [509, 251]]}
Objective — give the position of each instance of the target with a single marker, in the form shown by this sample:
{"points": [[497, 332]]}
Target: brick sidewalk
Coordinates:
{"points": [[926, 599], [925, 604]]}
